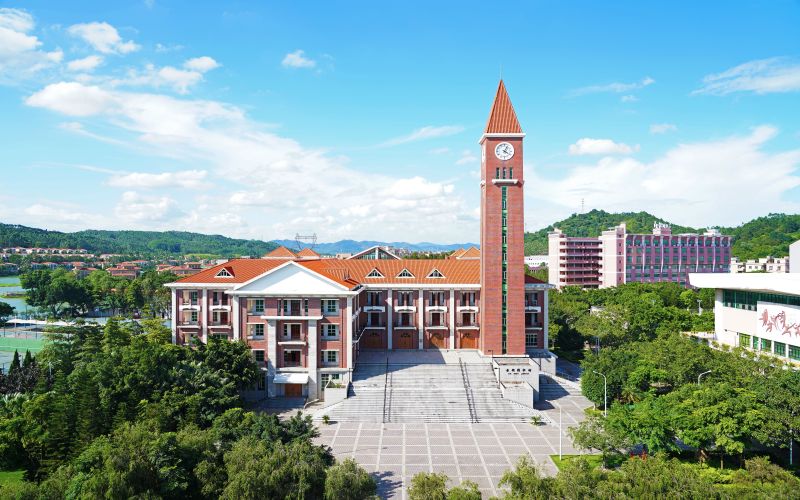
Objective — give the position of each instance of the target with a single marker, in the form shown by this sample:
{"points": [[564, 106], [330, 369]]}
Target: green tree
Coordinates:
{"points": [[428, 486], [526, 481], [349, 481]]}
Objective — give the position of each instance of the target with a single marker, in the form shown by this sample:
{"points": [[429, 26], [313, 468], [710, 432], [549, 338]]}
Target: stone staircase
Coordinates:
{"points": [[550, 389], [444, 392]]}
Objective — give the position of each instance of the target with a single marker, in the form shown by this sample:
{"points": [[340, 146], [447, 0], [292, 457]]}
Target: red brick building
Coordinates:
{"points": [[307, 318]]}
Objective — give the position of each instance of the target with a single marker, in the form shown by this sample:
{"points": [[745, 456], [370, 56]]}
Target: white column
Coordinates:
{"points": [[174, 315], [312, 358], [719, 329], [272, 355], [390, 305], [452, 310], [237, 323], [204, 315], [348, 324], [421, 316], [546, 320]]}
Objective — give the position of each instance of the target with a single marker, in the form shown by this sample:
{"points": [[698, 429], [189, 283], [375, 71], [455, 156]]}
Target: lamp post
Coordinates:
{"points": [[699, 308], [605, 393], [560, 434], [701, 375]]}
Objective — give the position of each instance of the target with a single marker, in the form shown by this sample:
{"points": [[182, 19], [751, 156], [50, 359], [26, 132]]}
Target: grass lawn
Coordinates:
{"points": [[11, 476], [594, 460]]}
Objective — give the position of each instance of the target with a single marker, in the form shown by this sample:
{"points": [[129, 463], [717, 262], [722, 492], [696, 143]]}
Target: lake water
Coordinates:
{"points": [[17, 303]]}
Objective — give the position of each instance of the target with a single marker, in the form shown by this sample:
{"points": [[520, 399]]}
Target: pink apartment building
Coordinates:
{"points": [[617, 257]]}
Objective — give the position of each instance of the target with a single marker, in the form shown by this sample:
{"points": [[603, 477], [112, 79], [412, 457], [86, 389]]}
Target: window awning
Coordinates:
{"points": [[291, 378]]}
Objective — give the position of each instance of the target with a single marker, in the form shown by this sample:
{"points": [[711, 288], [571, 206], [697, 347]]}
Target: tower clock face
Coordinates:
{"points": [[504, 151]]}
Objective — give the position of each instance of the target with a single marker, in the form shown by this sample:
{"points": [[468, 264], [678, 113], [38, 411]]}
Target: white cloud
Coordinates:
{"points": [[160, 47], [20, 56], [440, 151], [72, 98], [280, 186], [616, 87], [697, 184], [86, 64], [763, 76], [629, 98], [180, 80], [297, 59], [589, 146], [65, 215], [135, 207], [16, 20], [662, 128], [201, 64], [187, 179], [103, 38], [424, 133], [467, 158]]}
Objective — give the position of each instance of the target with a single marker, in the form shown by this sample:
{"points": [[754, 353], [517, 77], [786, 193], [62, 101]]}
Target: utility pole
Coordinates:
{"points": [[605, 393]]}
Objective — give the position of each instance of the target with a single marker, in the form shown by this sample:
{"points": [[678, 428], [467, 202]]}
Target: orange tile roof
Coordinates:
{"points": [[456, 254], [281, 253], [243, 270], [455, 271], [502, 118], [470, 253], [307, 252]]}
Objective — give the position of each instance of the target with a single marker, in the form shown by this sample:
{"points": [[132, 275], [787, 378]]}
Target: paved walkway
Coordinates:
{"points": [[477, 452]]}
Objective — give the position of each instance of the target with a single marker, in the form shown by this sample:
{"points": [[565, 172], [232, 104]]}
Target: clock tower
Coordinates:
{"points": [[502, 231]]}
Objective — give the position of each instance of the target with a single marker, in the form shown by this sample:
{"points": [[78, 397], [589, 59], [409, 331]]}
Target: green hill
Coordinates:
{"points": [[591, 224], [769, 235], [132, 242]]}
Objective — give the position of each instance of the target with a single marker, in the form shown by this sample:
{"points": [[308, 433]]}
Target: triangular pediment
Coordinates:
{"points": [[291, 279], [374, 274], [405, 273]]}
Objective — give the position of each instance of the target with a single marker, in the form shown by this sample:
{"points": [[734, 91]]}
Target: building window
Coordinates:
{"points": [[755, 343], [259, 355], [330, 357], [405, 273], [332, 378], [436, 319], [532, 339], [258, 306], [435, 274], [257, 330], [780, 349], [292, 331], [330, 307], [794, 353], [292, 358], [766, 345], [330, 331], [374, 298], [497, 173], [468, 299]]}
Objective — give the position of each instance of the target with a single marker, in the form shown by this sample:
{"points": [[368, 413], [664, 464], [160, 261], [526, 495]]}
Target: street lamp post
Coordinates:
{"points": [[701, 375], [605, 393], [560, 434]]}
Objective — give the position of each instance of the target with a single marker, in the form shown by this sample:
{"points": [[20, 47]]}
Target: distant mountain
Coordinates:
{"points": [[761, 237], [353, 246], [133, 242]]}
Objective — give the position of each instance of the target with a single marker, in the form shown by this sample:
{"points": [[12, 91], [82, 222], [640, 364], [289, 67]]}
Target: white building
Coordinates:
{"points": [[759, 311], [536, 261], [762, 265], [794, 256]]}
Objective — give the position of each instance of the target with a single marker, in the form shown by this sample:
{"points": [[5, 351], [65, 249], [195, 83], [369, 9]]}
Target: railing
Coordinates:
{"points": [[379, 324], [387, 399], [473, 416]]}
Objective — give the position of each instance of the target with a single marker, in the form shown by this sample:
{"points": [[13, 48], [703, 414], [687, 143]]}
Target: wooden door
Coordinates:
{"points": [[405, 341], [437, 340], [293, 390], [469, 341], [373, 340]]}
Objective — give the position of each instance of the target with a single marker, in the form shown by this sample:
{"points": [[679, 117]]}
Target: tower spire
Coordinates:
{"points": [[502, 117]]}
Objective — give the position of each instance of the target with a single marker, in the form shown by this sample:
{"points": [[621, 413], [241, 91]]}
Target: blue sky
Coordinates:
{"points": [[361, 119]]}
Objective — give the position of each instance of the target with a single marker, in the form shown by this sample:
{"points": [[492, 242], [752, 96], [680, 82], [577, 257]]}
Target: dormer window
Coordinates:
{"points": [[405, 273], [224, 273], [374, 274], [435, 274]]}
